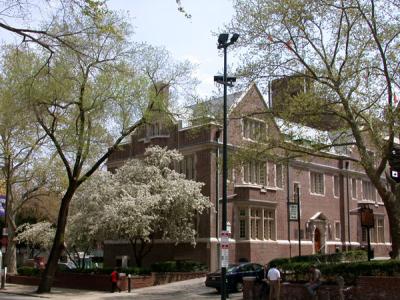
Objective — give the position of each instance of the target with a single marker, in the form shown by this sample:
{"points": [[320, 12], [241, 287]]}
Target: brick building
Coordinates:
{"points": [[330, 191]]}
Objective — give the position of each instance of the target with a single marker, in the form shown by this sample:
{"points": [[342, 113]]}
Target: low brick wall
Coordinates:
{"points": [[366, 288], [100, 282], [382, 287]]}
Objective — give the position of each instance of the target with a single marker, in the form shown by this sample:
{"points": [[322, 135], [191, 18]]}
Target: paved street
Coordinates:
{"points": [[189, 289]]}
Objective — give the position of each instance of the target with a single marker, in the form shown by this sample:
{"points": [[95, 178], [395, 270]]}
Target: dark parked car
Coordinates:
{"points": [[235, 274]]}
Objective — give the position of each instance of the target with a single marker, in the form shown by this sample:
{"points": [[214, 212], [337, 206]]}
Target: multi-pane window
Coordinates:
{"points": [[296, 192], [187, 166], [254, 129], [255, 172], [255, 222], [354, 188], [337, 230], [368, 191], [336, 186], [242, 223], [380, 230], [317, 183], [364, 234], [269, 225], [259, 221], [279, 175]]}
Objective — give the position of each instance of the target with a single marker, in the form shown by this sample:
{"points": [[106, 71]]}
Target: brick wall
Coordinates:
{"points": [[366, 288], [100, 282]]}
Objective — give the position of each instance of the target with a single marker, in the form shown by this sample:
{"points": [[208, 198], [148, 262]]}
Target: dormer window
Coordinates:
{"points": [[254, 129]]}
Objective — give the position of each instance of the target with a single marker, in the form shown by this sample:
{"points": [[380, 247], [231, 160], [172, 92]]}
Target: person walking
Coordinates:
{"points": [[274, 280], [114, 281]]}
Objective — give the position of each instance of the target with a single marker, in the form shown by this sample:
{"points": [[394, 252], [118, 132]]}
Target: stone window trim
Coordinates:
{"points": [[379, 230], [368, 191], [250, 126], [317, 183], [336, 186], [279, 184], [255, 173], [354, 188], [337, 230]]}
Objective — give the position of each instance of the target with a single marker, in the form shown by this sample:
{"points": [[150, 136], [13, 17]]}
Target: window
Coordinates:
{"points": [[187, 166], [337, 230], [254, 129], [368, 191], [336, 186], [255, 172], [279, 176], [242, 223], [354, 188], [296, 192], [255, 220], [317, 183], [380, 230], [364, 234], [155, 129], [259, 221], [269, 225]]}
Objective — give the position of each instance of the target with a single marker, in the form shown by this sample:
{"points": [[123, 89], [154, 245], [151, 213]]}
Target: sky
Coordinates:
{"points": [[159, 23]]}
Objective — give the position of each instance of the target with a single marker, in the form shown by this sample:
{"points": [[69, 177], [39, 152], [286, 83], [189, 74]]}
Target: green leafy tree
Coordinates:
{"points": [[345, 55], [21, 139]]}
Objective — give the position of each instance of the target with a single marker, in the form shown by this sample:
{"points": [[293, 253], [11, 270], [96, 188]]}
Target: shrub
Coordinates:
{"points": [[178, 266], [349, 256], [28, 271], [298, 271]]}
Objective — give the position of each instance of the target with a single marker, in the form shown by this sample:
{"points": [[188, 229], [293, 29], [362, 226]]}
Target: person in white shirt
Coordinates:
{"points": [[274, 279]]}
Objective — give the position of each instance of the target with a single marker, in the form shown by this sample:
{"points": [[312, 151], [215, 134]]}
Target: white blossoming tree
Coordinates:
{"points": [[37, 236], [144, 199]]}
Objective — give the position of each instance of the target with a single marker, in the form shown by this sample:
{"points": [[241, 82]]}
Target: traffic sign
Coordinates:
{"points": [[293, 211], [395, 175]]}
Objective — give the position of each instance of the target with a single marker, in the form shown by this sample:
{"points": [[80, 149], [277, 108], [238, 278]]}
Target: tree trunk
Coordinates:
{"points": [[140, 251], [393, 211], [10, 259], [58, 244]]}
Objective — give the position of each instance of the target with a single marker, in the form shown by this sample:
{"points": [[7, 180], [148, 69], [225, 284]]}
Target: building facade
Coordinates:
{"points": [[330, 192]]}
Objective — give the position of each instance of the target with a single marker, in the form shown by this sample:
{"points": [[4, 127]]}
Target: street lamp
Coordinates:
{"points": [[223, 43]]}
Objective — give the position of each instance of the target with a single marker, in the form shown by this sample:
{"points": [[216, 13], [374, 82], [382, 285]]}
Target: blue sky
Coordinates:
{"points": [[159, 23]]}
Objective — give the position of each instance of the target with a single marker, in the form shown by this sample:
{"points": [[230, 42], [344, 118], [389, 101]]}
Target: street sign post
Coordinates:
{"points": [[225, 248]]}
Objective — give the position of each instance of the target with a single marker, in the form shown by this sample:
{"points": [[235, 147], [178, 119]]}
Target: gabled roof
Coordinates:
{"points": [[213, 107], [319, 216]]}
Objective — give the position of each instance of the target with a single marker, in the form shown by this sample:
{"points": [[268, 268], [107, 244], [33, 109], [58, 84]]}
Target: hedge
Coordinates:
{"points": [[167, 266], [349, 256], [298, 271], [178, 266]]}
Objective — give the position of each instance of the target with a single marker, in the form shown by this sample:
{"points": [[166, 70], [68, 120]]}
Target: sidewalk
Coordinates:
{"points": [[60, 293], [180, 290]]}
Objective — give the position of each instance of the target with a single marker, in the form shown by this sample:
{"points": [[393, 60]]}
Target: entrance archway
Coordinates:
{"points": [[317, 240]]}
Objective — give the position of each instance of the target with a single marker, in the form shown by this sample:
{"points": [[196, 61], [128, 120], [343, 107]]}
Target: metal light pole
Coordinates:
{"points": [[225, 80]]}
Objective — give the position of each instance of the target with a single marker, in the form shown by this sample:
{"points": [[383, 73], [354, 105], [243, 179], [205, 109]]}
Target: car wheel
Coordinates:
{"points": [[239, 286]]}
